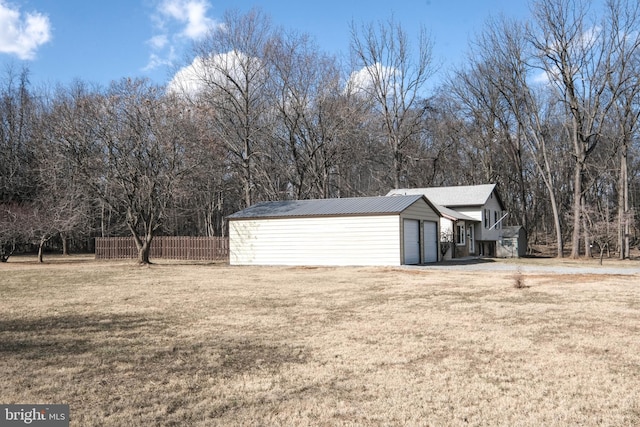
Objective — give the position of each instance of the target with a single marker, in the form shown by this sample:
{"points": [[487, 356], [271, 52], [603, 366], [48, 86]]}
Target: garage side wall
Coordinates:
{"points": [[348, 240]]}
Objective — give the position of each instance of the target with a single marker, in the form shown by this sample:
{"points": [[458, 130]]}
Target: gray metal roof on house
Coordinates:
{"points": [[463, 195], [329, 207]]}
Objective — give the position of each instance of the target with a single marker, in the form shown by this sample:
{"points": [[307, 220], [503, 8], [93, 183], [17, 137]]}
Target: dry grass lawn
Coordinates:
{"points": [[202, 345]]}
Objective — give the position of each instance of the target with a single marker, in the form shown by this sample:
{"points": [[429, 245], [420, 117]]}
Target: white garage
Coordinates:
{"points": [[390, 230]]}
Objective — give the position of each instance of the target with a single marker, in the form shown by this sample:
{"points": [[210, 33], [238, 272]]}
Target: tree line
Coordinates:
{"points": [[547, 108]]}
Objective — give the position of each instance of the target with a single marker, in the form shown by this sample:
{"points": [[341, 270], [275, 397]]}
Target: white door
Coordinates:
{"points": [[430, 241], [411, 241]]}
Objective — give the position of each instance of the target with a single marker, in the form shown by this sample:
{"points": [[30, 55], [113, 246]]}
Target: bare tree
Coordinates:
{"points": [[62, 206], [17, 182], [310, 117], [127, 147], [573, 52], [601, 229], [228, 78], [503, 63], [212, 192], [494, 131], [11, 229], [26, 223], [17, 111], [395, 80], [623, 18]]}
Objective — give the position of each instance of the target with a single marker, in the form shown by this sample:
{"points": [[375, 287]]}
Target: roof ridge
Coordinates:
{"points": [[369, 205]]}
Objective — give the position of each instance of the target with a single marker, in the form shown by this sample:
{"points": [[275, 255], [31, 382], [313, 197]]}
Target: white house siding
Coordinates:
{"points": [[496, 232], [420, 210], [477, 213], [345, 240]]}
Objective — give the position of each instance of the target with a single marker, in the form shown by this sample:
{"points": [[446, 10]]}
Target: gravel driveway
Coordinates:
{"points": [[484, 264]]}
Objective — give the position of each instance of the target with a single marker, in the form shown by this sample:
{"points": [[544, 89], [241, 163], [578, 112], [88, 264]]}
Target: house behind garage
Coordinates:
{"points": [[349, 231], [476, 215]]}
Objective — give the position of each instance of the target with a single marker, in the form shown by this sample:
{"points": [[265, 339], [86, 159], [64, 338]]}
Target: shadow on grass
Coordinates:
{"points": [[46, 337], [148, 343], [80, 323], [244, 355]]}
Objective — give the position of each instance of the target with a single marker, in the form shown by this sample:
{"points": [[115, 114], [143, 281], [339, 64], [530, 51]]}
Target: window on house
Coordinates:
{"points": [[460, 234], [487, 218], [495, 219]]}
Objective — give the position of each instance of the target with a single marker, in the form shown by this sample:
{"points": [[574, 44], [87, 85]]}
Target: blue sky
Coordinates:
{"points": [[100, 41]]}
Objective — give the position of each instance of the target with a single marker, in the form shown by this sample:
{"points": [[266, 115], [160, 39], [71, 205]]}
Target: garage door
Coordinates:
{"points": [[411, 241], [430, 241]]}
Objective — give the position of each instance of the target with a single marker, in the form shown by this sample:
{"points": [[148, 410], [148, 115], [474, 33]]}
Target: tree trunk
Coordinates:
{"points": [[397, 164], [246, 170], [143, 253], [623, 206], [40, 246], [556, 223], [602, 247], [65, 245], [577, 208], [6, 250], [585, 229], [143, 243], [547, 178]]}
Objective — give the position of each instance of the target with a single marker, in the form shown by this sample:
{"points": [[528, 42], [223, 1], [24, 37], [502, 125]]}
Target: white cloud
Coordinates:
{"points": [[575, 48], [158, 42], [21, 35], [364, 80], [541, 78], [177, 22], [187, 80], [216, 70], [190, 13], [156, 61]]}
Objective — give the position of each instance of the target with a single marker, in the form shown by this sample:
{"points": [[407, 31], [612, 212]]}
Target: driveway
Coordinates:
{"points": [[537, 265]]}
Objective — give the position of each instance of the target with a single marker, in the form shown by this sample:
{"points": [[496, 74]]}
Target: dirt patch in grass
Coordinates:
{"points": [[205, 344]]}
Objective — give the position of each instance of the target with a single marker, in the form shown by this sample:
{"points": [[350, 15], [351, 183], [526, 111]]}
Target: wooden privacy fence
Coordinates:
{"points": [[167, 247]]}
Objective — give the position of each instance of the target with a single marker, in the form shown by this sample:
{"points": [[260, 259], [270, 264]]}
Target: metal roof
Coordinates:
{"points": [[463, 195], [329, 207]]}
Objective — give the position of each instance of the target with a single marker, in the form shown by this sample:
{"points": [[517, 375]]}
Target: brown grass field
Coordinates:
{"points": [[208, 344]]}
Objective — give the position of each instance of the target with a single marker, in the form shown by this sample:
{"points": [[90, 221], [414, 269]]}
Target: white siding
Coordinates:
{"points": [[473, 212], [476, 212], [495, 233], [359, 240], [420, 210]]}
